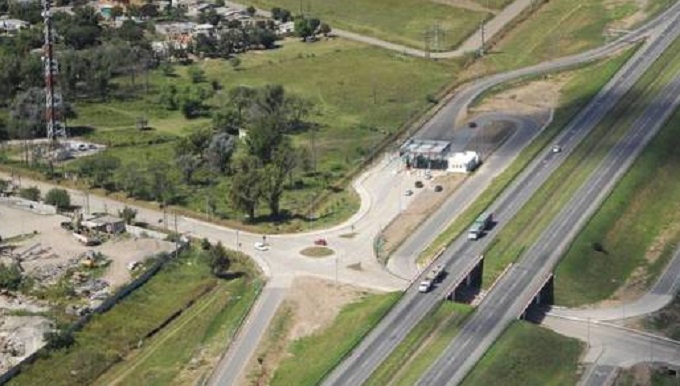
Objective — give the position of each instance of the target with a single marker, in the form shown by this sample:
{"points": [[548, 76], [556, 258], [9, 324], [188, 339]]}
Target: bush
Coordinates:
{"points": [[10, 277], [32, 193], [128, 214], [59, 198]]}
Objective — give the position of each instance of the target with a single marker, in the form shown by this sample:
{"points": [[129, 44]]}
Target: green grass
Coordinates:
{"points": [[398, 21], [640, 214], [111, 336], [207, 325], [528, 355], [421, 347], [557, 28], [362, 94], [582, 86], [528, 224], [311, 358]]}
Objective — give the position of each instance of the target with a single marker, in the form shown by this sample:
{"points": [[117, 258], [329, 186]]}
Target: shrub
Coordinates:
{"points": [[32, 193], [58, 197]]}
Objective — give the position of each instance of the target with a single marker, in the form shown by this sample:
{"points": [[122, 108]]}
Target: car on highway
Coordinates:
{"points": [[408, 192], [260, 246], [556, 149]]}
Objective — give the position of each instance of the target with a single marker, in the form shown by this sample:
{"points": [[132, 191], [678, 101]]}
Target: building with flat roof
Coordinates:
{"points": [[425, 153], [463, 162]]}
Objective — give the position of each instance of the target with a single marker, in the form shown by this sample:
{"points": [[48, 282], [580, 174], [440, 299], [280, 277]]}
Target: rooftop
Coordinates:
{"points": [[425, 146]]}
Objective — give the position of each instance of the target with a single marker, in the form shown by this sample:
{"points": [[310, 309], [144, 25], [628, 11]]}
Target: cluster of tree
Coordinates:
{"points": [[307, 28], [31, 193], [236, 39], [10, 276], [189, 101], [282, 15]]}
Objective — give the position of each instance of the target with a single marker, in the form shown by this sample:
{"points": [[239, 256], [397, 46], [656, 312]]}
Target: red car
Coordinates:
{"points": [[320, 242]]}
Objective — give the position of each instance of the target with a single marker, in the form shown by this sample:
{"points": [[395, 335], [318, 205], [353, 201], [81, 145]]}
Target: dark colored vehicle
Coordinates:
{"points": [[321, 242], [419, 184], [438, 188], [67, 225]]}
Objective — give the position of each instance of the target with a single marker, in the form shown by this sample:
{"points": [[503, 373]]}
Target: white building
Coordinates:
{"points": [[12, 26], [463, 162]]}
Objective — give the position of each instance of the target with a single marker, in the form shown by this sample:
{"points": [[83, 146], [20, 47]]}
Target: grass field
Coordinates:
{"points": [[362, 94], [641, 215], [311, 358], [582, 86], [528, 355], [525, 227], [399, 21], [110, 337], [421, 347]]}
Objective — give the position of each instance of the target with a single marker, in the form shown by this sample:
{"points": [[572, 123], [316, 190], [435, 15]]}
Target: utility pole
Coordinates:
{"points": [[482, 30], [176, 236], [426, 43]]}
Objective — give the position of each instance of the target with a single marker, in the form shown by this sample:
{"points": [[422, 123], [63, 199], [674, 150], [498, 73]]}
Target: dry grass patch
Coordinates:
{"points": [[317, 252]]}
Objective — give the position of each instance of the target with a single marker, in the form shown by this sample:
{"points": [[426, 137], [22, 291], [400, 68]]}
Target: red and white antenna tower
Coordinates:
{"points": [[53, 98]]}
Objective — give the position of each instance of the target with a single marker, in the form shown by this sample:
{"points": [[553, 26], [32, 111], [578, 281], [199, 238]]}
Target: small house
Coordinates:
{"points": [[106, 224]]}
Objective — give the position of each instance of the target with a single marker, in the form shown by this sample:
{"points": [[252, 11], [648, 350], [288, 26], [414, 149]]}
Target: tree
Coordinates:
{"points": [[196, 74], [251, 11], [194, 144], [264, 135], [302, 29], [130, 32], [57, 340], [297, 109], [130, 178], [218, 259], [219, 152], [245, 190], [187, 164], [325, 29], [241, 98], [128, 214], [99, 169], [227, 120], [116, 12], [148, 10], [26, 114], [58, 197], [162, 187], [275, 175], [31, 193], [169, 98]]}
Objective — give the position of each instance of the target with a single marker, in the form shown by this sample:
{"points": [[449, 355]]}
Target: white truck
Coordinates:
{"points": [[431, 278]]}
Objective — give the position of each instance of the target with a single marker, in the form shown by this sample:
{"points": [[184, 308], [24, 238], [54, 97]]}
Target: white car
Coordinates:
{"points": [[556, 149], [408, 192], [260, 246]]}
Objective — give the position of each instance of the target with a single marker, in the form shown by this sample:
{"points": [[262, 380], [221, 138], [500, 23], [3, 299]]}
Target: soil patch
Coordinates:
{"points": [[311, 305], [417, 211], [631, 20], [316, 252]]}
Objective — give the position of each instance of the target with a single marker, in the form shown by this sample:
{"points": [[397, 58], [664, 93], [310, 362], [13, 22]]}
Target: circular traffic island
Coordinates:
{"points": [[317, 252]]}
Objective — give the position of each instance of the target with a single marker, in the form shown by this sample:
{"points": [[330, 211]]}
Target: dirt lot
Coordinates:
{"points": [[420, 208], [54, 245], [311, 305], [47, 248]]}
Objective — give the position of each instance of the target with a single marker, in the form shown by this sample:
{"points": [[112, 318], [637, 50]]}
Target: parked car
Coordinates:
{"points": [[438, 188], [260, 246], [408, 192], [419, 184], [67, 225], [321, 242]]}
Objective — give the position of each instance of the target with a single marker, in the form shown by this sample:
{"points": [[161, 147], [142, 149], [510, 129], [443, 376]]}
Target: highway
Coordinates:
{"points": [[522, 282], [414, 306]]}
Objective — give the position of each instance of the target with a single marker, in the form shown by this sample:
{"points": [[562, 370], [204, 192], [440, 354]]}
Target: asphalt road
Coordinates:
{"points": [[516, 289], [614, 346], [660, 295], [458, 257]]}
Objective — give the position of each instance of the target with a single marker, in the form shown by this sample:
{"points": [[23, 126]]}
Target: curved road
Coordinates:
{"points": [[516, 289], [458, 257]]}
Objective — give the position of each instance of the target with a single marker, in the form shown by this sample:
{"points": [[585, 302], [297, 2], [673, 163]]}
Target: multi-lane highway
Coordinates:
{"points": [[516, 289], [458, 257]]}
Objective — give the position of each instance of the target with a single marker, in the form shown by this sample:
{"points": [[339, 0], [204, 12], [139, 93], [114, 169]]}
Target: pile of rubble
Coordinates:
{"points": [[50, 274]]}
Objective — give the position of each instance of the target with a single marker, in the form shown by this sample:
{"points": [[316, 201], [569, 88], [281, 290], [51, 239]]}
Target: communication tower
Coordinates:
{"points": [[53, 98]]}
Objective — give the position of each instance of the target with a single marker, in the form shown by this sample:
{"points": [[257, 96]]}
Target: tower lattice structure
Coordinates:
{"points": [[53, 98]]}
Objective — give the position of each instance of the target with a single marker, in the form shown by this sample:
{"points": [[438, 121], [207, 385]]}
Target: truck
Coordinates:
{"points": [[431, 278], [478, 227]]}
